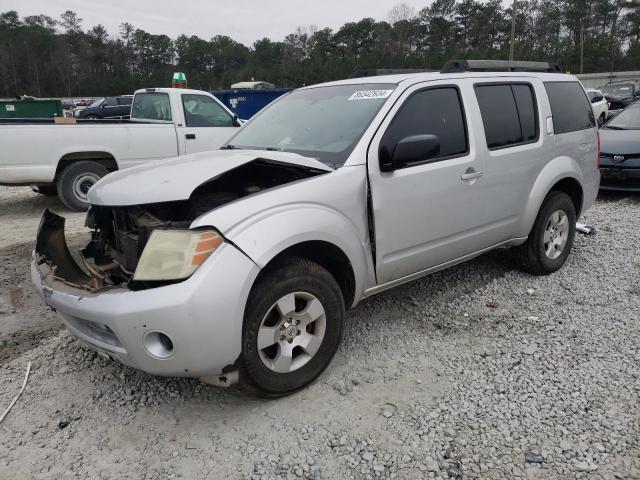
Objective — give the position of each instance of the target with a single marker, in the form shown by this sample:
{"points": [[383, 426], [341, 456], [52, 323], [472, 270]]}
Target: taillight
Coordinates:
{"points": [[598, 157]]}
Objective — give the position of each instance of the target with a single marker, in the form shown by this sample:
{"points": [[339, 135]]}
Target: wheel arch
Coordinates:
{"points": [[561, 174], [105, 158], [325, 254]]}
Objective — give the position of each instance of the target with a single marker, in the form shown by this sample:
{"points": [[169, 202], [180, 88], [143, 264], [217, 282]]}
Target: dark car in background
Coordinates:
{"points": [[108, 107], [620, 95], [620, 151]]}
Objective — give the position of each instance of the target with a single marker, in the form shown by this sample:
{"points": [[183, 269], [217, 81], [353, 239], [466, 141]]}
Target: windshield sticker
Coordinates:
{"points": [[370, 94]]}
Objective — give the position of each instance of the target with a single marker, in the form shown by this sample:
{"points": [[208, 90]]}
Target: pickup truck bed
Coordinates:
{"points": [[67, 159]]}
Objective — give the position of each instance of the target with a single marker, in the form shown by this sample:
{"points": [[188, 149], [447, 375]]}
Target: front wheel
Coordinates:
{"points": [[292, 327], [75, 181], [551, 237]]}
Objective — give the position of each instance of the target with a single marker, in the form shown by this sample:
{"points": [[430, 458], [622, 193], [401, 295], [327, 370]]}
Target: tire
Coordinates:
{"points": [[268, 371], [75, 180], [551, 238]]}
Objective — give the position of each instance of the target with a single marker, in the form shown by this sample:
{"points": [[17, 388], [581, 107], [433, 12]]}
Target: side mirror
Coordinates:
{"points": [[412, 149]]}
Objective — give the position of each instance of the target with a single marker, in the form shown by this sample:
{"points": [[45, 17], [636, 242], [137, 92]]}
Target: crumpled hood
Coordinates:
{"points": [[176, 178], [619, 142]]}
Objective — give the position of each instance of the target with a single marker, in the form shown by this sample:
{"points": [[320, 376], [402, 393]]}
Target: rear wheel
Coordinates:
{"points": [[292, 327], [551, 237], [75, 181]]}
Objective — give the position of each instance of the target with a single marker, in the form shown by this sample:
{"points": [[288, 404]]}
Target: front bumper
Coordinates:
{"points": [[623, 177], [202, 316]]}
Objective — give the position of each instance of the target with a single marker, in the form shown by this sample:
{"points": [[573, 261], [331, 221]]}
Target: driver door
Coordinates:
{"points": [[431, 212], [208, 125]]}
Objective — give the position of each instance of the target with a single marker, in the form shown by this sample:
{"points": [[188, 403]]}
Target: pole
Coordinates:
{"points": [[513, 30], [582, 46]]}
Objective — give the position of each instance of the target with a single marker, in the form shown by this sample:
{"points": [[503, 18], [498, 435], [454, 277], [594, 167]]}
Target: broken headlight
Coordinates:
{"points": [[175, 254]]}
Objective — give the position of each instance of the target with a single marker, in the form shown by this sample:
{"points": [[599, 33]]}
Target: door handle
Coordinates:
{"points": [[471, 175], [190, 136]]}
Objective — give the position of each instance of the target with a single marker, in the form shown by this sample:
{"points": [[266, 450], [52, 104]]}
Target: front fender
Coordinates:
{"points": [[264, 235], [554, 171]]}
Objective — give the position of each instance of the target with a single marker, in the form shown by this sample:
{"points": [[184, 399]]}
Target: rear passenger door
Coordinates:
{"points": [[207, 123], [511, 143], [431, 212]]}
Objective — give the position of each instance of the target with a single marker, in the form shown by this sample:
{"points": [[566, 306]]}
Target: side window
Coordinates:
{"points": [[509, 114], [151, 106], [569, 106], [110, 102], [203, 111], [527, 111], [124, 101], [436, 111]]}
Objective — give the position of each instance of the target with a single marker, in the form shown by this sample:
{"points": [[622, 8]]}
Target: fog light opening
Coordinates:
{"points": [[158, 344]]}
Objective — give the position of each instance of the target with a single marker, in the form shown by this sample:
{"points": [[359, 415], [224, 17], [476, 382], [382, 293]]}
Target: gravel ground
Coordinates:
{"points": [[476, 372]]}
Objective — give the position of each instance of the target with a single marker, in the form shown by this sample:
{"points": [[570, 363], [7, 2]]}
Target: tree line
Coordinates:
{"points": [[45, 56]]}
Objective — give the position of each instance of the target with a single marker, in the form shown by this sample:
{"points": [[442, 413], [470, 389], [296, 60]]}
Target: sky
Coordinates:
{"points": [[242, 20]]}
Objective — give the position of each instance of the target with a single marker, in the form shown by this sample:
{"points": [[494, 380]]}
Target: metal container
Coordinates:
{"points": [[30, 108], [245, 102]]}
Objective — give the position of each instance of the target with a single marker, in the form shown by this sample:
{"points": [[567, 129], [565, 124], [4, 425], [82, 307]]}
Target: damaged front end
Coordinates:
{"points": [[119, 234]]}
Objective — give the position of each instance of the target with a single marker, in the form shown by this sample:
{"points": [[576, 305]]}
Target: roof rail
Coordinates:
{"points": [[459, 66], [374, 72]]}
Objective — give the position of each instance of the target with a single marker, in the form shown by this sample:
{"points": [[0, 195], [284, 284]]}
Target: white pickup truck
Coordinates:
{"points": [[67, 159]]}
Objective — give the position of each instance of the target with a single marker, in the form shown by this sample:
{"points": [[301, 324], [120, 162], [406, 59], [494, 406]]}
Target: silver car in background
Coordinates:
{"points": [[239, 264]]}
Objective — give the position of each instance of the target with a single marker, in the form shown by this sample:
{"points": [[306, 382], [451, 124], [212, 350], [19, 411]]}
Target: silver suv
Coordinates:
{"points": [[239, 264]]}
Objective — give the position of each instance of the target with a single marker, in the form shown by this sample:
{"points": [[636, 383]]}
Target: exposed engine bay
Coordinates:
{"points": [[119, 234]]}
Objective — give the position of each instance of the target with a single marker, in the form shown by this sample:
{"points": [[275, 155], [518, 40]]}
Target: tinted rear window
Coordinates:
{"points": [[569, 106]]}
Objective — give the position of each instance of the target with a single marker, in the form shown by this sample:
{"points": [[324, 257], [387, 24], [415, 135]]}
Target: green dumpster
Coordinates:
{"points": [[30, 108]]}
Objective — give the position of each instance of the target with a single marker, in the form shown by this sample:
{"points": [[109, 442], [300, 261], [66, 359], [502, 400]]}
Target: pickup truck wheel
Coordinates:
{"points": [[75, 181], [292, 327], [551, 237]]}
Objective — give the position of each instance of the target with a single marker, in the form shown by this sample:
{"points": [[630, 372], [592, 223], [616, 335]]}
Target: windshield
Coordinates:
{"points": [[628, 119], [592, 94], [322, 122], [618, 90], [97, 103]]}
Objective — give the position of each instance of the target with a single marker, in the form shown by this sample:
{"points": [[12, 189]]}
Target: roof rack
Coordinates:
{"points": [[374, 72], [460, 66]]}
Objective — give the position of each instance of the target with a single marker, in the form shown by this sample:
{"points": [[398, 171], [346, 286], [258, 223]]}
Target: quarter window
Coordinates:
{"points": [[509, 114], [569, 106], [203, 111], [435, 111]]}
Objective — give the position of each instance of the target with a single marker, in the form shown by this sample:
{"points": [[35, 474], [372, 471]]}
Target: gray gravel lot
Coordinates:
{"points": [[480, 371]]}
